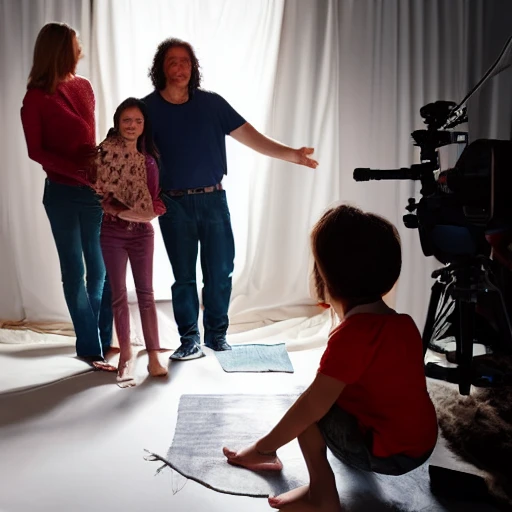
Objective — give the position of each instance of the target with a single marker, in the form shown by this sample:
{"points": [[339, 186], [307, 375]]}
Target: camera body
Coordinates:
{"points": [[460, 205], [464, 217]]}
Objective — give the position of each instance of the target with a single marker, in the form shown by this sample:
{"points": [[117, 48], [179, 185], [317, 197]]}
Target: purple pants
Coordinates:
{"points": [[122, 241]]}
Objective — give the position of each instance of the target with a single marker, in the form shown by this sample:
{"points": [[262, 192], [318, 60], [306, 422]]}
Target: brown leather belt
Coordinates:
{"points": [[190, 191]]}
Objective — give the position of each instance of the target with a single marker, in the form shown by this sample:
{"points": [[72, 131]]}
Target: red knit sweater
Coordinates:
{"points": [[60, 130]]}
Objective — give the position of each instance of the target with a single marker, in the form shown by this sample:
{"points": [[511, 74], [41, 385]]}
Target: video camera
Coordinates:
{"points": [[464, 219]]}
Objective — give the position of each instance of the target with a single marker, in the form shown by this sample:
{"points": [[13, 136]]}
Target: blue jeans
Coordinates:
{"points": [[342, 436], [192, 220], [75, 216]]}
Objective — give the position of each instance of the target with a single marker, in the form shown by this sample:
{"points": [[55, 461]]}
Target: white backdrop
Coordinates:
{"points": [[345, 76], [237, 45]]}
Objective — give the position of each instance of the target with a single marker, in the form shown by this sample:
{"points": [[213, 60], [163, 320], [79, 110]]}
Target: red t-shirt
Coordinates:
{"points": [[60, 129], [380, 359]]}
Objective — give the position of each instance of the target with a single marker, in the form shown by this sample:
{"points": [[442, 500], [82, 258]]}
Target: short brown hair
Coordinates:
{"points": [[357, 255], [54, 57], [156, 72]]}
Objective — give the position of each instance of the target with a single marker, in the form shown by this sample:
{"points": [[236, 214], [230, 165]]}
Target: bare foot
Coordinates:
{"points": [[125, 367], [251, 459], [127, 383], [288, 497], [301, 500], [103, 366], [155, 367]]}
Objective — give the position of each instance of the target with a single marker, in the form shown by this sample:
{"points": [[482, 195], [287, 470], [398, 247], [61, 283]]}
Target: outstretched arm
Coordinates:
{"points": [[310, 407], [249, 136]]}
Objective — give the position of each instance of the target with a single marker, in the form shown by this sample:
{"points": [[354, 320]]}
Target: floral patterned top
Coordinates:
{"points": [[128, 183]]}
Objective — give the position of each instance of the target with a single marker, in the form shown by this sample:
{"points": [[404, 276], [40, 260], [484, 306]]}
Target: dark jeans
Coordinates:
{"points": [[75, 217], [191, 220], [343, 437]]}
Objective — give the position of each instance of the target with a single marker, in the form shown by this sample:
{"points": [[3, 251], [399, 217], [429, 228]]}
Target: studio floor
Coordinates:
{"points": [[78, 444]]}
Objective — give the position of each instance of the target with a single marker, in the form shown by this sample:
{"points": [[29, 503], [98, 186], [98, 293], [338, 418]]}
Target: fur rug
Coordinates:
{"points": [[478, 429]]}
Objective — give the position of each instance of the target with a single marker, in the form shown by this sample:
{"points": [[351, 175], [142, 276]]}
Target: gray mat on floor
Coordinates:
{"points": [[255, 358], [206, 423]]}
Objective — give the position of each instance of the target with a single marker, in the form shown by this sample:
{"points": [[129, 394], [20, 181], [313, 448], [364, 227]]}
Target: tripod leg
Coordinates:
{"points": [[433, 307], [465, 345]]}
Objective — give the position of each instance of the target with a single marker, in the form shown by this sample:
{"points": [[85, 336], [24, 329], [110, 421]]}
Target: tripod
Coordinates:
{"points": [[469, 283]]}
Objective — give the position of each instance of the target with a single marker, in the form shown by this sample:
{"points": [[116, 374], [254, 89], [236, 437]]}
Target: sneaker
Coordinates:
{"points": [[218, 344], [188, 349]]}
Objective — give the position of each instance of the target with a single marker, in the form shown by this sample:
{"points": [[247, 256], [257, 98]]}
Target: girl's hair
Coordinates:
{"points": [[54, 57], [145, 142], [357, 255], [156, 72]]}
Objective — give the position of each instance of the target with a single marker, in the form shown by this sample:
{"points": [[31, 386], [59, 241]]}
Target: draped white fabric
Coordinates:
{"points": [[237, 45], [30, 286], [345, 76]]}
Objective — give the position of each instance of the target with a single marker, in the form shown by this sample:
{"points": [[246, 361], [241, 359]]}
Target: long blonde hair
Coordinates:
{"points": [[55, 57]]}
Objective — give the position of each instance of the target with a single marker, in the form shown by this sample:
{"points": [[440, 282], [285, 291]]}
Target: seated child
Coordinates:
{"points": [[368, 402]]}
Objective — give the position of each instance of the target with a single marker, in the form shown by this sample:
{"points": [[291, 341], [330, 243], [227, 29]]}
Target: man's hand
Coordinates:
{"points": [[302, 157], [248, 135]]}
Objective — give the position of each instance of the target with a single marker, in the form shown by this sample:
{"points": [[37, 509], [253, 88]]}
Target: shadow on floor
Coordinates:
{"points": [[42, 352], [24, 405]]}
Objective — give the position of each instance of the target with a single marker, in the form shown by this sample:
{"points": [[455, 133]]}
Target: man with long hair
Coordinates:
{"points": [[190, 126]]}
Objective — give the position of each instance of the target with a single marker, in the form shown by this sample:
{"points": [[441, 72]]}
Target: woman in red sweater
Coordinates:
{"points": [[58, 121]]}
